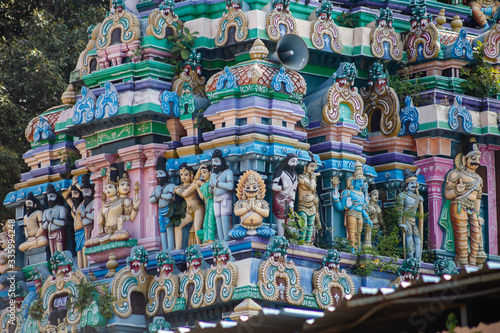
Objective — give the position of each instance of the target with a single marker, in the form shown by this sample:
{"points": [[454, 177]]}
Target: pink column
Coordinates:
{"points": [[434, 170], [95, 165], [488, 160]]}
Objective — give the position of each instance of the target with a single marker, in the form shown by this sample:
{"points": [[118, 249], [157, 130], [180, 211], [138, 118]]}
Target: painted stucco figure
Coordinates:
{"points": [[411, 205], [251, 207], [195, 211], [202, 184], [36, 236], [285, 181], [222, 187], [375, 213], [163, 194], [54, 220], [308, 206], [464, 188], [353, 201]]}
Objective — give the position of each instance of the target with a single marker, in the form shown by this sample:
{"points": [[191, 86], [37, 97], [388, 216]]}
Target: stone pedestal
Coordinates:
{"points": [[37, 256], [100, 254]]}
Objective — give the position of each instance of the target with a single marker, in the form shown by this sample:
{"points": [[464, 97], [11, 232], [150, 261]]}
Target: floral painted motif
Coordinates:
{"points": [[422, 42], [194, 276], [222, 270], [282, 77], [85, 107], [279, 279], [409, 114], [344, 93], [167, 284], [383, 98], [163, 22], [166, 98], [330, 284], [385, 41], [324, 32], [126, 22], [235, 18], [280, 21], [132, 278], [458, 110], [107, 102]]}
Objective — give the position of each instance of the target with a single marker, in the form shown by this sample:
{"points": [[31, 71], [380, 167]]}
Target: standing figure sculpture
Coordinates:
{"points": [[353, 201], [285, 181], [163, 194], [308, 206], [130, 206], [410, 203], [54, 220], [464, 188], [85, 216], [36, 236], [74, 198], [194, 211], [375, 213], [203, 187], [222, 187]]}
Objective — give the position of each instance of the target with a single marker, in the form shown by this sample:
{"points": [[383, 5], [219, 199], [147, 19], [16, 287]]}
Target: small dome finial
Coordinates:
{"points": [[69, 96], [440, 20], [258, 50], [456, 24]]}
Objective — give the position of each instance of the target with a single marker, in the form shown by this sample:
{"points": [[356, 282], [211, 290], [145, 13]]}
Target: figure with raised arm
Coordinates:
{"points": [[285, 181]]}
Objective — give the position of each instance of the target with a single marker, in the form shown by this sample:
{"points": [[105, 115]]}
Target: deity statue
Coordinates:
{"points": [[375, 213], [36, 236], [203, 187], [482, 10], [84, 222], [309, 200], [285, 181], [222, 187], [251, 207], [163, 194], [409, 202], [464, 188], [74, 198], [116, 209], [194, 211], [353, 201], [54, 220], [5, 254]]}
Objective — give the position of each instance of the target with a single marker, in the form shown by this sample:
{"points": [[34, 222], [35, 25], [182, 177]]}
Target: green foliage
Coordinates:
{"points": [[451, 322], [176, 211], [182, 44], [87, 293], [404, 85], [40, 42], [482, 80], [296, 224], [203, 124], [258, 254], [366, 266], [36, 310], [347, 20]]}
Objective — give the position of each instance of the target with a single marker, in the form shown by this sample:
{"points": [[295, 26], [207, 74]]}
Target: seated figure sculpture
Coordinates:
{"points": [[354, 202], [36, 236], [251, 207], [116, 209]]}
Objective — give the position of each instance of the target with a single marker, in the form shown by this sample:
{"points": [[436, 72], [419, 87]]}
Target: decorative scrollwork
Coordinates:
{"points": [[107, 102], [166, 284], [385, 42], [280, 21], [224, 271], [423, 40], [85, 107], [409, 114], [324, 32], [166, 98], [127, 22], [233, 17], [194, 276], [458, 110], [162, 22], [282, 77]]}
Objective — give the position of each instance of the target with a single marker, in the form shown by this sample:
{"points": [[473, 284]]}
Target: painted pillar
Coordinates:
{"points": [[434, 170], [488, 160]]}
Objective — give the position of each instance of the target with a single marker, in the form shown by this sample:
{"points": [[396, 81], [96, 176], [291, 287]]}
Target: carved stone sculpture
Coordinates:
{"points": [[464, 188], [285, 181], [85, 216], [194, 211], [163, 194], [36, 236], [410, 203], [251, 207], [54, 220], [353, 201], [222, 186], [203, 187], [376, 216], [309, 201]]}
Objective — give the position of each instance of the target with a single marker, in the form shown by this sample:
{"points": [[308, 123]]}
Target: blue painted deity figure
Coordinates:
{"points": [[222, 186], [163, 194], [353, 201]]}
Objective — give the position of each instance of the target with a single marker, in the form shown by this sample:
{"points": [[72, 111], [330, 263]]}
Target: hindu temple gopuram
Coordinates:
{"points": [[217, 160]]}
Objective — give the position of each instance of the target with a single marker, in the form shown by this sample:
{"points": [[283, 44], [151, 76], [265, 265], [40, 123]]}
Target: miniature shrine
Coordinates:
{"points": [[297, 153]]}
